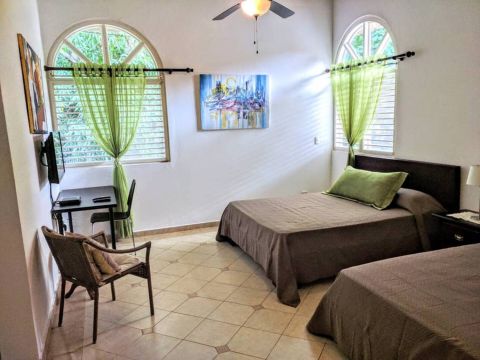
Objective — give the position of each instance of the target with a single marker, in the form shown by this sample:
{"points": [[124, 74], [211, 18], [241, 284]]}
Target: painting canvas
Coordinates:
{"points": [[234, 102], [33, 85]]}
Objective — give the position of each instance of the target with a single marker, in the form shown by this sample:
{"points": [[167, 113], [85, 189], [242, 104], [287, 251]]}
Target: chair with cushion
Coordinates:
{"points": [[88, 262], [117, 216]]}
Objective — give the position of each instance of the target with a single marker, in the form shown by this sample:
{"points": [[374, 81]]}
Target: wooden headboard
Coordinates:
{"points": [[438, 180]]}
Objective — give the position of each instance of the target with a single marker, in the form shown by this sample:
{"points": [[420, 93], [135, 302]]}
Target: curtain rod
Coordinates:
{"points": [[167, 70], [400, 57]]}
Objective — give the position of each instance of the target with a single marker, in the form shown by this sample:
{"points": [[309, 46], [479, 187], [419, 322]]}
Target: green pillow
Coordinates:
{"points": [[376, 189]]}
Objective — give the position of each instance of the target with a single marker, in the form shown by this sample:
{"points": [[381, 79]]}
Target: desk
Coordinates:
{"points": [[87, 195]]}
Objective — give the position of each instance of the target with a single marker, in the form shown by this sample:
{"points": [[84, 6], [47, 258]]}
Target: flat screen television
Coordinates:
{"points": [[53, 151]]}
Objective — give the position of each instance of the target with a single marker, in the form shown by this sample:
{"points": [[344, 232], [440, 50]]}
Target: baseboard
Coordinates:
{"points": [[51, 319], [177, 228]]}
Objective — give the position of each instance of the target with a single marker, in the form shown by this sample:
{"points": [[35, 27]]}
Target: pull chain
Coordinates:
{"points": [[255, 34]]}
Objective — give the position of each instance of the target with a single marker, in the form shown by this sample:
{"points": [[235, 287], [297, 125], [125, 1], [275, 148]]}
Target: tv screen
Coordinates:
{"points": [[54, 153]]}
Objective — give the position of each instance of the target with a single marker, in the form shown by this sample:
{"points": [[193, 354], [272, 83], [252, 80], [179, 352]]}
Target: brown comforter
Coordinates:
{"points": [[303, 238], [416, 307]]}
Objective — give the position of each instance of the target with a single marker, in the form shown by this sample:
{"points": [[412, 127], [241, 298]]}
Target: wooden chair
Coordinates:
{"points": [[118, 216], [75, 266]]}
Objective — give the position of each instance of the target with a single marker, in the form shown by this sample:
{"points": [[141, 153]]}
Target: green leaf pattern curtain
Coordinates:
{"points": [[356, 90], [112, 102]]}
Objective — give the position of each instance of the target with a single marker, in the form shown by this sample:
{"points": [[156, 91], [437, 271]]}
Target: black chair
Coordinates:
{"points": [[117, 216]]}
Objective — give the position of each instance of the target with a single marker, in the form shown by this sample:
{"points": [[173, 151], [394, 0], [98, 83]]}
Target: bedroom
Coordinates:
{"points": [[435, 121]]}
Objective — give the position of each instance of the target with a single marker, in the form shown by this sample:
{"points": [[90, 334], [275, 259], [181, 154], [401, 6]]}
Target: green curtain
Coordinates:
{"points": [[356, 90], [112, 101]]}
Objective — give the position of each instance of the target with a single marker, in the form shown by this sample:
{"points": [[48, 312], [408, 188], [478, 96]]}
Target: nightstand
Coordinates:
{"points": [[455, 232]]}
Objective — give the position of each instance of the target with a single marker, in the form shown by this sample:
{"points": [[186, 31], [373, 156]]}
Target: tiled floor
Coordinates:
{"points": [[211, 302]]}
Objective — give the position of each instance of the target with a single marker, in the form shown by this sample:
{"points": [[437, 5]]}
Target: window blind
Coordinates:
{"points": [[80, 147]]}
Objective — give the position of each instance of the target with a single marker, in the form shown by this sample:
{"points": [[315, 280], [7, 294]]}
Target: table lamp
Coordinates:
{"points": [[474, 179]]}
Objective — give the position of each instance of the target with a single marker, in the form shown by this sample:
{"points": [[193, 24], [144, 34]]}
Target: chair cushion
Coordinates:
{"points": [[93, 266], [125, 261]]}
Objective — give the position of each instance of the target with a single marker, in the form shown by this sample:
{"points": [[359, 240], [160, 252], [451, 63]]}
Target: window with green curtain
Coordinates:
{"points": [[369, 36]]}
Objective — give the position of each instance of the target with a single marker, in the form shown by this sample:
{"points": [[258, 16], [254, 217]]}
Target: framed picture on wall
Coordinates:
{"points": [[33, 86], [230, 102]]}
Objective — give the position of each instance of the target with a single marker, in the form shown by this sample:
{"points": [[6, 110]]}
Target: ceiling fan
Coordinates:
{"points": [[257, 8]]}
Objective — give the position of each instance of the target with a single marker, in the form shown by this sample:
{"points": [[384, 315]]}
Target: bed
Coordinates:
{"points": [[303, 238], [422, 306]]}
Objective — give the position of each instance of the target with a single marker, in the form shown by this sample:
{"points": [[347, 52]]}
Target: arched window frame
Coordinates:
{"points": [[161, 150], [388, 86]]}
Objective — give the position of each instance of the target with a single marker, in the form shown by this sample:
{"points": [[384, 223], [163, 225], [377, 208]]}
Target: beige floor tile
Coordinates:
{"points": [[141, 318], [206, 249], [204, 273], [269, 320], [272, 302], [248, 296], [308, 305], [177, 325], [298, 328], [66, 339], [106, 291], [158, 264], [112, 311], [187, 285], [217, 261], [151, 346], [259, 282], [167, 300], [192, 351], [245, 264], [198, 306], [213, 333], [184, 246], [117, 340], [331, 352], [161, 281], [253, 342], [232, 313], [193, 258], [235, 356], [289, 348], [91, 353], [216, 291], [171, 255], [177, 269], [136, 295], [231, 277]]}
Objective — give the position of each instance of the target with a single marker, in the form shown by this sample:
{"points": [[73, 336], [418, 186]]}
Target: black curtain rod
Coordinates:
{"points": [[167, 70], [400, 57]]}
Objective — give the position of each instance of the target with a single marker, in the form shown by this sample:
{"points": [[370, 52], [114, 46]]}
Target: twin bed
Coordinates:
{"points": [[418, 306], [303, 238]]}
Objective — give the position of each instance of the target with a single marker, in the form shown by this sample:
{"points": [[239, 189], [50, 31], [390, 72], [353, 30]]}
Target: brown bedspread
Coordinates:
{"points": [[302, 238], [417, 307]]}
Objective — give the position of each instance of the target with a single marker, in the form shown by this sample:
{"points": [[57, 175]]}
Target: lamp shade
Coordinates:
{"points": [[474, 175]]}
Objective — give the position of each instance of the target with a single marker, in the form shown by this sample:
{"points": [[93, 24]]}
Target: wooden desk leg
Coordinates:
{"points": [[112, 228], [70, 222]]}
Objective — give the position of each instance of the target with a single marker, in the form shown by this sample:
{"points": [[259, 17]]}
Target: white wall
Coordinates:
{"points": [[209, 169], [438, 90], [31, 190]]}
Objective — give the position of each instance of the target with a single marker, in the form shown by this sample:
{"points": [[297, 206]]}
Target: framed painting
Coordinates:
{"points": [[33, 85], [230, 102]]}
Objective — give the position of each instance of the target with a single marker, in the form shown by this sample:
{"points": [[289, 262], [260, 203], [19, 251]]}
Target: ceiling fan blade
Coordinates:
{"points": [[227, 12], [281, 10]]}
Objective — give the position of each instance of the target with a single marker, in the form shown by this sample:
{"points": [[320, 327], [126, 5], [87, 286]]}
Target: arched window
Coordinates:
{"points": [[106, 43], [368, 36]]}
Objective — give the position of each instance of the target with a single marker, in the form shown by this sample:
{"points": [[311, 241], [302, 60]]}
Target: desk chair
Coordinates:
{"points": [[117, 216], [76, 266]]}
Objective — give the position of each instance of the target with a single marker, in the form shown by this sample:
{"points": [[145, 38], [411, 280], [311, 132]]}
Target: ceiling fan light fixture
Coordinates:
{"points": [[256, 7]]}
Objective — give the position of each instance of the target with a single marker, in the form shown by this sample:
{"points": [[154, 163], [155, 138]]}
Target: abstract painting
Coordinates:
{"points": [[234, 102], [33, 85]]}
